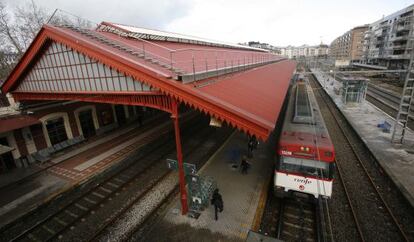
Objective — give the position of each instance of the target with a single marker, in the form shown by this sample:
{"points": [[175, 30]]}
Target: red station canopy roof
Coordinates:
{"points": [[250, 99]]}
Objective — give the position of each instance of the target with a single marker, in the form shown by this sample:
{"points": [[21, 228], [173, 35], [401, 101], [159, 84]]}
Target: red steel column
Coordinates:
{"points": [[183, 191]]}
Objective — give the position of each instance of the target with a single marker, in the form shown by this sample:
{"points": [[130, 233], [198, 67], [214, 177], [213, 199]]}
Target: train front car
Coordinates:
{"points": [[306, 157]]}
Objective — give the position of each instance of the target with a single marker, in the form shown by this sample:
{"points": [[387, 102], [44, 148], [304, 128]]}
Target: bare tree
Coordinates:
{"points": [[29, 20], [8, 32], [17, 30]]}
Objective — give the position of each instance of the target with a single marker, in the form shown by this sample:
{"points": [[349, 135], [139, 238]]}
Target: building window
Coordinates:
{"points": [[56, 130]]}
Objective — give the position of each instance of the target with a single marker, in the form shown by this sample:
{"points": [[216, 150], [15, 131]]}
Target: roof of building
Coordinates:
{"points": [[247, 99], [151, 34]]}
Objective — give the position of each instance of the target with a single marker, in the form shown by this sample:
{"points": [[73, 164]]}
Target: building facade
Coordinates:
{"points": [[389, 41], [39, 126], [349, 47], [292, 52]]}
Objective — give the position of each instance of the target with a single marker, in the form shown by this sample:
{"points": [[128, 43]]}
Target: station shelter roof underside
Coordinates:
{"points": [[240, 86]]}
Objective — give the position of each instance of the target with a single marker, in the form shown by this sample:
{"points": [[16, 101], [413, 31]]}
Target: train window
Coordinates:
{"points": [[305, 167]]}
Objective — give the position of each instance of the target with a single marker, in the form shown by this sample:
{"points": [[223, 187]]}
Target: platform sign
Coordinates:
{"points": [[172, 164], [189, 169]]}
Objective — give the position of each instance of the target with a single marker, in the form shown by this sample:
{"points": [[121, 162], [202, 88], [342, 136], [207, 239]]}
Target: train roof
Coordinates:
{"points": [[309, 129]]}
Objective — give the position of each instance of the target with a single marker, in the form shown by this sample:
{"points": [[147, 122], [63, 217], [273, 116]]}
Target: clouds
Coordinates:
{"points": [[278, 22], [152, 13]]}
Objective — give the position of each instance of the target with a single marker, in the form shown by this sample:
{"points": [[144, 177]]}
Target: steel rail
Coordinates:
{"points": [[74, 201], [130, 234], [90, 191], [125, 209], [348, 197], [300, 203], [362, 165]]}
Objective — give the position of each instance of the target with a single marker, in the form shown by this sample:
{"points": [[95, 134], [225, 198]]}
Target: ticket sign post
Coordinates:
{"points": [[189, 169]]}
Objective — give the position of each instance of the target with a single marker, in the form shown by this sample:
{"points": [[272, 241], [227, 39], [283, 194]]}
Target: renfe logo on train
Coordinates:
{"points": [[300, 180]]}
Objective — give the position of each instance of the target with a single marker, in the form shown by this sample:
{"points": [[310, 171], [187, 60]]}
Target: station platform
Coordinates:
{"points": [[396, 159], [73, 168], [244, 197]]}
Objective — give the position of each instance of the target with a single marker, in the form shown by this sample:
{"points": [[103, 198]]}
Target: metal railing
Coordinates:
{"points": [[189, 61], [177, 62]]}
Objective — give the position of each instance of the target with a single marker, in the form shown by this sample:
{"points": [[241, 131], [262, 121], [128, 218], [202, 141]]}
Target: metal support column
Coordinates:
{"points": [[183, 191]]}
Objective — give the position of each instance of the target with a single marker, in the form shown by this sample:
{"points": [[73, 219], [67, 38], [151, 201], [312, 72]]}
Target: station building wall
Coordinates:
{"points": [[31, 139]]}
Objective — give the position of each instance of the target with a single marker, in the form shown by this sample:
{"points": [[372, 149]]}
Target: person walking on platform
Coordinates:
{"points": [[244, 165], [250, 147], [217, 201]]}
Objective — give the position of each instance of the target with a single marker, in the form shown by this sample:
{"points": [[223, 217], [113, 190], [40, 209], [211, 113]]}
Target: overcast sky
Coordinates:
{"points": [[280, 23]]}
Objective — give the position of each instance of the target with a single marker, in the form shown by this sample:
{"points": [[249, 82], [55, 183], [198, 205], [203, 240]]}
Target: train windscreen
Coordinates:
{"points": [[306, 167]]}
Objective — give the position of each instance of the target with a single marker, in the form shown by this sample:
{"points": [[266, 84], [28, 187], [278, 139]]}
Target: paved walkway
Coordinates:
{"points": [[242, 195], [19, 173], [396, 160]]}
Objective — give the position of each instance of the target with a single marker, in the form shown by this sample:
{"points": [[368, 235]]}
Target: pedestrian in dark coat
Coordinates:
{"points": [[250, 147], [255, 142], [244, 165], [217, 201]]}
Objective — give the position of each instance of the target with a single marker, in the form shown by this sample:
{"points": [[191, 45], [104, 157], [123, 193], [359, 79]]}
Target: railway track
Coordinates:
{"points": [[88, 205], [379, 211], [104, 233], [300, 219], [139, 229], [387, 101]]}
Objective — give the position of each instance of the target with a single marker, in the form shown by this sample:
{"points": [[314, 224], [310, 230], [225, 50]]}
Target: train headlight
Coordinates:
{"points": [[302, 148], [307, 149]]}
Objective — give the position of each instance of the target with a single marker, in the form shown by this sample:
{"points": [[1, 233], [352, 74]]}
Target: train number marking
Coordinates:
{"points": [[286, 152]]}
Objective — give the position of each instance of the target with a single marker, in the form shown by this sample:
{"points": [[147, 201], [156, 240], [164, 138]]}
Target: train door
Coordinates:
{"points": [[86, 122]]}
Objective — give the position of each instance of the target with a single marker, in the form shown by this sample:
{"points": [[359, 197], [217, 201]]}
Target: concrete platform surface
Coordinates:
{"points": [[396, 159], [241, 194]]}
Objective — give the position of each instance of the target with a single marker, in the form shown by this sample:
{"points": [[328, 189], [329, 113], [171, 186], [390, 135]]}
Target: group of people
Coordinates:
{"points": [[217, 199]]}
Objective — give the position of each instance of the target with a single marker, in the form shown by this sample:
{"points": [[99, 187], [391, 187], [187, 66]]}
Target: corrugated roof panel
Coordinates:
{"points": [[258, 93]]}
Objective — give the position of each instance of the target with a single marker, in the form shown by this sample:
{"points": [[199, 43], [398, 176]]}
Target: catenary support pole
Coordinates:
{"points": [[183, 191]]}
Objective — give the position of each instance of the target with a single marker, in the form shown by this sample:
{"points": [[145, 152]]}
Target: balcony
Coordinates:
{"points": [[399, 38], [399, 56], [404, 27]]}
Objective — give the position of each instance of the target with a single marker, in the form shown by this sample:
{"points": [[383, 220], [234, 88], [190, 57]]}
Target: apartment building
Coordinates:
{"points": [[305, 51], [349, 47], [389, 41]]}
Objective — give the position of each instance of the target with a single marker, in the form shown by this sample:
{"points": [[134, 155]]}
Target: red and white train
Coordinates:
{"points": [[306, 157]]}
